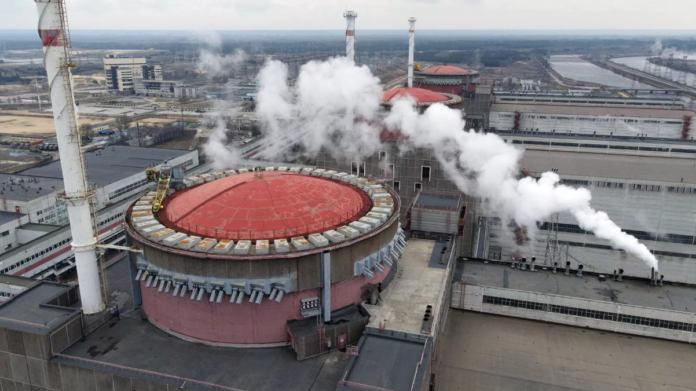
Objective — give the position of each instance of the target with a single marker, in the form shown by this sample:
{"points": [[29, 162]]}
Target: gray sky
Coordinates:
{"points": [[372, 14]]}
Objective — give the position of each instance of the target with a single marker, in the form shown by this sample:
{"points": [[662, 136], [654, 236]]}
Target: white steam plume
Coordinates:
{"points": [[332, 105], [214, 64], [336, 105], [656, 47]]}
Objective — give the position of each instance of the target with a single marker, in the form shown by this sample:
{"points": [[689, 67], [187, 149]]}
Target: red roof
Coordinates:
{"points": [[278, 205], [445, 69], [419, 94]]}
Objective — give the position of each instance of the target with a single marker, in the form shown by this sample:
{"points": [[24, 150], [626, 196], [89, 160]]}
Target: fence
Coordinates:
{"points": [[181, 382]]}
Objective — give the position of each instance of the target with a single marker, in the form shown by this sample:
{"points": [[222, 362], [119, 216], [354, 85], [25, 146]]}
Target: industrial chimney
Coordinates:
{"points": [[56, 46], [350, 34], [411, 48]]}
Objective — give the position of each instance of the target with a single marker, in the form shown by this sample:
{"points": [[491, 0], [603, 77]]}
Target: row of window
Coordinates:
{"points": [[38, 254], [127, 189], [357, 168], [605, 146], [597, 119], [585, 313], [110, 219], [669, 238]]}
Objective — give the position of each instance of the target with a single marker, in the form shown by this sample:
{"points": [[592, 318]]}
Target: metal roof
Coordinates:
{"points": [[446, 70], [419, 94], [659, 169], [111, 164], [641, 112], [276, 205], [6, 217]]}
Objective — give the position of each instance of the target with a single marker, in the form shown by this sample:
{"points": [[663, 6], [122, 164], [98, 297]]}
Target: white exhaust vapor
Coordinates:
{"points": [[335, 106]]}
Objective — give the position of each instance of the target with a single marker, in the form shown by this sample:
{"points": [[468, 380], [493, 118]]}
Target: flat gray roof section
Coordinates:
{"points": [[438, 201], [112, 164], [134, 343], [659, 169], [385, 362], [48, 228], [27, 311], [6, 217], [632, 292], [16, 280], [24, 190], [486, 352], [634, 112]]}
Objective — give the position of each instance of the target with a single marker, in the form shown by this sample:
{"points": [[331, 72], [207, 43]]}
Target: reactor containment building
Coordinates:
{"points": [[235, 255]]}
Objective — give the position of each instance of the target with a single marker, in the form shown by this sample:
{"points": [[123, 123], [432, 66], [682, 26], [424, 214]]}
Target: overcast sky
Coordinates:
{"points": [[372, 14]]}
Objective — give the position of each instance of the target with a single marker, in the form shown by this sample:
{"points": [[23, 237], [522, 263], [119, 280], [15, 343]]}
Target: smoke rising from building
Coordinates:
{"points": [[333, 105], [336, 105], [214, 64]]}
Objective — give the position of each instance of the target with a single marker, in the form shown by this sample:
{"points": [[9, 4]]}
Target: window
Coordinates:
{"points": [[425, 173], [417, 186], [353, 168], [396, 185], [361, 171], [5, 233], [382, 154], [391, 170]]}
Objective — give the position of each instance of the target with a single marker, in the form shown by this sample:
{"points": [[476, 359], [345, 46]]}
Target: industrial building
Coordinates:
{"points": [[249, 239], [122, 73], [448, 79], [37, 243], [161, 88]]}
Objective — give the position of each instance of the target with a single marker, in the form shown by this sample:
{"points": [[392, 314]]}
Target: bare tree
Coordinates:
{"points": [[122, 122]]}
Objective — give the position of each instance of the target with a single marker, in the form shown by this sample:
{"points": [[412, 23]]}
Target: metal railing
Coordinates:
{"points": [[158, 376]]}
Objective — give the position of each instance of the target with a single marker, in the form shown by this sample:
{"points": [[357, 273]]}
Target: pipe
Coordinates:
{"points": [[77, 191], [274, 292], [176, 290], [193, 293], [240, 297], [183, 290], [149, 282], [219, 298], [252, 297], [137, 276], [259, 297], [411, 48], [350, 34], [161, 286], [280, 296], [531, 265], [233, 297], [166, 288], [201, 291], [154, 284], [212, 296]]}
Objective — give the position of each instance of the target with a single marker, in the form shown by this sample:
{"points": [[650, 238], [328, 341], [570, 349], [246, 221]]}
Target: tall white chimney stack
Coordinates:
{"points": [[411, 48], [350, 34], [56, 43]]}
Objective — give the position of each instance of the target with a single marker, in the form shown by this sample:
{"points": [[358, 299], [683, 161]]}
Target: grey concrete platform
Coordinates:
{"points": [[385, 362], [416, 285], [29, 312], [135, 343], [493, 353], [633, 292]]}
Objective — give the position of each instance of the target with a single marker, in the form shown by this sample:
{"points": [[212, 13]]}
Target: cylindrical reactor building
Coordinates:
{"points": [[235, 255]]}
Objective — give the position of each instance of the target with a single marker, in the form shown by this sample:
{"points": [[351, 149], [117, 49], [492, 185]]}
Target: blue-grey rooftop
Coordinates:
{"points": [[6, 217], [111, 164]]}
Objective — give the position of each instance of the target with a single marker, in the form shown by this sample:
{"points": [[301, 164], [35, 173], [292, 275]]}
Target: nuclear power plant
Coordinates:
{"points": [[379, 273]]}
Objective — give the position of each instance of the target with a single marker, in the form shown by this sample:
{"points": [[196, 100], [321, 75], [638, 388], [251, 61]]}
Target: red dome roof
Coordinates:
{"points": [[279, 205], [419, 94], [445, 69]]}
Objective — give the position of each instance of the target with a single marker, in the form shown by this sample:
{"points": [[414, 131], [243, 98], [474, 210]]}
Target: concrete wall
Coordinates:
{"points": [[470, 297], [302, 270], [245, 324]]}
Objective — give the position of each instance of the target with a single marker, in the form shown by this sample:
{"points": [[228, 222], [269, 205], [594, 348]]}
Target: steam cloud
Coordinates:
{"points": [[336, 105], [214, 64]]}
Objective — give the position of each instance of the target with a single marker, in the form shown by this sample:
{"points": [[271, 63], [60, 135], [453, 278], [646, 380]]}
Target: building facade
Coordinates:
{"points": [[123, 72]]}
